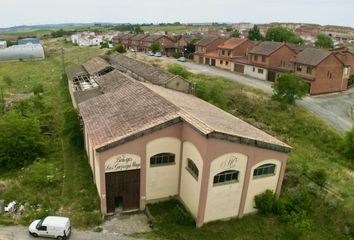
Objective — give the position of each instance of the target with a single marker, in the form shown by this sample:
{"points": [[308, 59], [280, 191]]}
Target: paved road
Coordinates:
{"points": [[21, 233], [332, 108]]}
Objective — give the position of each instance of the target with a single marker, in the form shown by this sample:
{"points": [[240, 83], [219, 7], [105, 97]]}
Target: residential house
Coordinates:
{"points": [[3, 44], [346, 55], [232, 48], [205, 46], [162, 40], [87, 39], [323, 70], [137, 42], [126, 40], [267, 60]]}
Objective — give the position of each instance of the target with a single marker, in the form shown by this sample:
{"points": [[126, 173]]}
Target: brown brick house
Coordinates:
{"points": [[161, 39], [322, 69], [267, 60], [137, 42], [126, 40], [118, 38], [204, 46], [230, 49], [346, 55]]}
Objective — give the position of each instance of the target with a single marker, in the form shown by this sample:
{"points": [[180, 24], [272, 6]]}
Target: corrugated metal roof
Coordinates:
{"points": [[25, 52]]}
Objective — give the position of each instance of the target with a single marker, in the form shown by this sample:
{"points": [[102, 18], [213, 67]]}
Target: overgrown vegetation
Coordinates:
{"points": [[58, 181], [155, 47], [117, 48], [324, 41]]}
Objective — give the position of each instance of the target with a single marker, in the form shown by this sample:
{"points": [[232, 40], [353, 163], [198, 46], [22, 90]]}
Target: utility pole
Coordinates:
{"points": [[62, 61]]}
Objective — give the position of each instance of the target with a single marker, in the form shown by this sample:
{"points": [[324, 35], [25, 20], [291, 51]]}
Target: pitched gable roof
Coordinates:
{"points": [[312, 56], [266, 48], [206, 41], [232, 43], [95, 65]]}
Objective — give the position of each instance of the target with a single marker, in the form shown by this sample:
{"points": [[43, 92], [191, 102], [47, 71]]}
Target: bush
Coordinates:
{"points": [[21, 141], [266, 203], [179, 70], [178, 55], [73, 128], [37, 89], [42, 175], [181, 216], [118, 48], [212, 91], [104, 45], [346, 145], [319, 177]]}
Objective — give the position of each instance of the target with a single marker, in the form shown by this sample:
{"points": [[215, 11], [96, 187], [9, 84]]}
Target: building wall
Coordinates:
{"points": [[258, 185], [325, 84], [253, 72], [162, 181], [243, 49], [281, 57], [223, 201], [223, 63], [190, 186], [179, 84]]}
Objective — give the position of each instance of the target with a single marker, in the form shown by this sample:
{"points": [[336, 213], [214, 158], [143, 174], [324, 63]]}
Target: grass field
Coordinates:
{"points": [[75, 195]]}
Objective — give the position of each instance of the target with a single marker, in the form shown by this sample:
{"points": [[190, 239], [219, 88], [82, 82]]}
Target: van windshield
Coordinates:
{"points": [[39, 224]]}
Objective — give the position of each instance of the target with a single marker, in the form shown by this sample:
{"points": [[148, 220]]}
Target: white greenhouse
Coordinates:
{"points": [[22, 52]]}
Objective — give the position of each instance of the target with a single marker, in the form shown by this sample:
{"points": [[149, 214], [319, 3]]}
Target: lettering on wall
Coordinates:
{"points": [[123, 162], [229, 163]]}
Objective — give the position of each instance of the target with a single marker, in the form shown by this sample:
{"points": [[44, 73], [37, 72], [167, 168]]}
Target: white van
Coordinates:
{"points": [[53, 227]]}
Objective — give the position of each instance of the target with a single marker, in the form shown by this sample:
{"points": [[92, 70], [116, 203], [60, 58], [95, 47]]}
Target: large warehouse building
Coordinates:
{"points": [[146, 143]]}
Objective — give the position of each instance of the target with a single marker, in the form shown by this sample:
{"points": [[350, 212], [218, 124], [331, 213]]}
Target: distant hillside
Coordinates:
{"points": [[25, 28]]}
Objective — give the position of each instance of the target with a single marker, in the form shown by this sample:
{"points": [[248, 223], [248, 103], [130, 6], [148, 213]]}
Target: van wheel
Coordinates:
{"points": [[34, 234], [60, 238]]}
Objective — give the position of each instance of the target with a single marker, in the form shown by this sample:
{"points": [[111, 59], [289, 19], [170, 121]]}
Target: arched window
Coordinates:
{"points": [[162, 159], [192, 169], [265, 169], [229, 176]]}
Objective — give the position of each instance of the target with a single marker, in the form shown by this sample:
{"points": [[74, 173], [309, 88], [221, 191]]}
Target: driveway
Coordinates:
{"points": [[332, 108]]}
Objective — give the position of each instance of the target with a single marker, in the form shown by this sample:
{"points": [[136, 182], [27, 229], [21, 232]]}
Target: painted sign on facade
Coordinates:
{"points": [[229, 163], [123, 162]]}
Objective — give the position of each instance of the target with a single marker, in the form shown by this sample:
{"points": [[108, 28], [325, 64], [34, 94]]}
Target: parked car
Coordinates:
{"points": [[182, 59], [132, 49], [150, 53], [52, 227], [158, 54]]}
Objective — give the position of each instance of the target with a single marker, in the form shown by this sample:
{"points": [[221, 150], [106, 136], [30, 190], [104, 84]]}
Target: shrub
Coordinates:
{"points": [[319, 177], [266, 203], [179, 70], [37, 89], [42, 175], [118, 48], [104, 45], [72, 127], [212, 91], [178, 55], [347, 144], [21, 141], [181, 216]]}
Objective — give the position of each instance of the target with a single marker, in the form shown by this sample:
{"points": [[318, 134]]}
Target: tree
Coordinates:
{"points": [[324, 41], [137, 29], [236, 33], [281, 34], [288, 88], [254, 34], [155, 47], [21, 141], [347, 144], [105, 45], [118, 48]]}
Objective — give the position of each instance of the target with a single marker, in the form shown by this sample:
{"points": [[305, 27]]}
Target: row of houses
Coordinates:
{"points": [[91, 38], [142, 42], [324, 70], [147, 143]]}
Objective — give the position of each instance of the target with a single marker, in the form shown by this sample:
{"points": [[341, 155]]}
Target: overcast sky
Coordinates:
{"points": [[29, 12]]}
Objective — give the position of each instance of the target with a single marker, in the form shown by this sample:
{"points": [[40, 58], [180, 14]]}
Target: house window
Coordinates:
{"points": [[223, 52], [226, 63], [192, 168], [256, 58], [221, 61], [162, 159], [309, 69], [260, 70], [228, 53], [265, 169], [329, 74], [226, 177], [298, 68], [254, 69], [263, 58]]}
